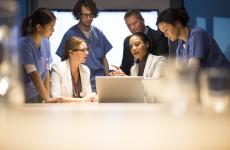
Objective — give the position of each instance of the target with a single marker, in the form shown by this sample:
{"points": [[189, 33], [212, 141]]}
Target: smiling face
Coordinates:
{"points": [[138, 48], [170, 31]]}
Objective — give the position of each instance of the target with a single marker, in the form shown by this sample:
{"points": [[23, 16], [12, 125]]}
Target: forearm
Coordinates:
{"points": [[47, 82], [39, 85], [106, 65]]}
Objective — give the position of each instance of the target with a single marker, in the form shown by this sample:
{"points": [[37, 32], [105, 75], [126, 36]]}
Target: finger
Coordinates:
{"points": [[117, 68]]}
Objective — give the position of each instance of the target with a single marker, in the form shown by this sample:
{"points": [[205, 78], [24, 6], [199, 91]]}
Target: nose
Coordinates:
{"points": [[134, 48], [86, 52], [165, 33]]}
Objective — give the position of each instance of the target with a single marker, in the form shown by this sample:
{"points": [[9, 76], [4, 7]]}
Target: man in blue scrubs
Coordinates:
{"points": [[85, 11]]}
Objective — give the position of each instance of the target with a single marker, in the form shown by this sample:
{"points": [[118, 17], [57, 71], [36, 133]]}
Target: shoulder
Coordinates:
{"points": [[157, 58], [153, 32], [72, 30], [25, 40], [26, 44], [84, 68], [97, 31], [59, 66], [197, 31]]}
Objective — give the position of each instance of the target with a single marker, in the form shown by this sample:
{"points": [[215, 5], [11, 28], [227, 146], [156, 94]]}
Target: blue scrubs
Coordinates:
{"points": [[31, 55], [98, 46], [200, 45]]}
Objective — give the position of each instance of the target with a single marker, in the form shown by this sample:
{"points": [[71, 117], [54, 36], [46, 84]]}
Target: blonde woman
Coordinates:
{"points": [[71, 78]]}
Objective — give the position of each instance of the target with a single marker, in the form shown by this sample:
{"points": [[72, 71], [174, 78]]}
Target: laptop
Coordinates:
{"points": [[120, 89]]}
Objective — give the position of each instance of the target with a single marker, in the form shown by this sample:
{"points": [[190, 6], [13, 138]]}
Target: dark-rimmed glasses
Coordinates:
{"points": [[87, 15], [82, 50]]}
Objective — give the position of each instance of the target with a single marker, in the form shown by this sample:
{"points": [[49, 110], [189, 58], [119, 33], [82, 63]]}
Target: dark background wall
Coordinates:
{"points": [[30, 5], [214, 16]]}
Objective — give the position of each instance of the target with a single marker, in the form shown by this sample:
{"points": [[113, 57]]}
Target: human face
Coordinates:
{"points": [[170, 31], [135, 24], [138, 48], [86, 17], [47, 30], [80, 53]]}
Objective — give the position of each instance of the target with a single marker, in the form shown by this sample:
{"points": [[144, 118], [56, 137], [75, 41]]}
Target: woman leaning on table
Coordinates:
{"points": [[35, 55], [196, 49], [70, 79]]}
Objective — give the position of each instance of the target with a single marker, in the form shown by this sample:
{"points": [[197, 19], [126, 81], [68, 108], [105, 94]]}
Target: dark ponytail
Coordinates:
{"points": [[26, 26], [41, 16], [171, 15]]}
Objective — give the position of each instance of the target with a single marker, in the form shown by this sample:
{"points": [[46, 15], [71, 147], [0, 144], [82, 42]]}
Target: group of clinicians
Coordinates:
{"points": [[84, 47]]}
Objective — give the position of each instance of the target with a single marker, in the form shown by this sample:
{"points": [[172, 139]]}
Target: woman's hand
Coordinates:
{"points": [[54, 100], [117, 71], [92, 97]]}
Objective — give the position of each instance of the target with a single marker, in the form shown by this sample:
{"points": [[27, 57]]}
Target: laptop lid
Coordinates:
{"points": [[120, 89]]}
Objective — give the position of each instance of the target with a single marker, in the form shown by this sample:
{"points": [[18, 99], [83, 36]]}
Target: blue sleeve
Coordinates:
{"points": [[197, 45], [60, 50], [26, 53], [106, 44]]}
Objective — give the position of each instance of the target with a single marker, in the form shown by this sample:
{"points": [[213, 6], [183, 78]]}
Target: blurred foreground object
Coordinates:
{"points": [[215, 89], [11, 89]]}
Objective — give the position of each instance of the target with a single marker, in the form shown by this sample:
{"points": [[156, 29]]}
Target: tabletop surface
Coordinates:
{"points": [[88, 126]]}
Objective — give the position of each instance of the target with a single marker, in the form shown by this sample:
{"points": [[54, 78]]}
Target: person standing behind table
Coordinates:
{"points": [[36, 57], [85, 11], [196, 49], [135, 23], [70, 79], [147, 64]]}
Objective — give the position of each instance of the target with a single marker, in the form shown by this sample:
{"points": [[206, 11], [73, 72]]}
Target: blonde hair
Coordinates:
{"points": [[71, 44]]}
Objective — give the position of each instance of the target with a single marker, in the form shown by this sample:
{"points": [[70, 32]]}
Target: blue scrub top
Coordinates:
{"points": [[200, 45], [98, 46], [41, 58]]}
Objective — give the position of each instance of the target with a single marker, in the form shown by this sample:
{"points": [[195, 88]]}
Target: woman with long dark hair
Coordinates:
{"points": [[36, 57]]}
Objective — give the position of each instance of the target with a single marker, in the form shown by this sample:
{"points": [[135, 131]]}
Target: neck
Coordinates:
{"points": [[74, 68], [184, 33], [83, 27], [37, 40]]}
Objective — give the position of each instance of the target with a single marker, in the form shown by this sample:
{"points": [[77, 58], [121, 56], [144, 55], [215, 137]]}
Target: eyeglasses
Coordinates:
{"points": [[87, 15], [82, 50]]}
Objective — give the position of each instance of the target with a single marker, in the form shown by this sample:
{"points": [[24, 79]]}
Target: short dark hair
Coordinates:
{"points": [[171, 15], [144, 38], [132, 12], [87, 3]]}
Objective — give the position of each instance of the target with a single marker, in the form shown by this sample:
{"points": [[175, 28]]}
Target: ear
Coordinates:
{"points": [[177, 24], [38, 27], [147, 45]]}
